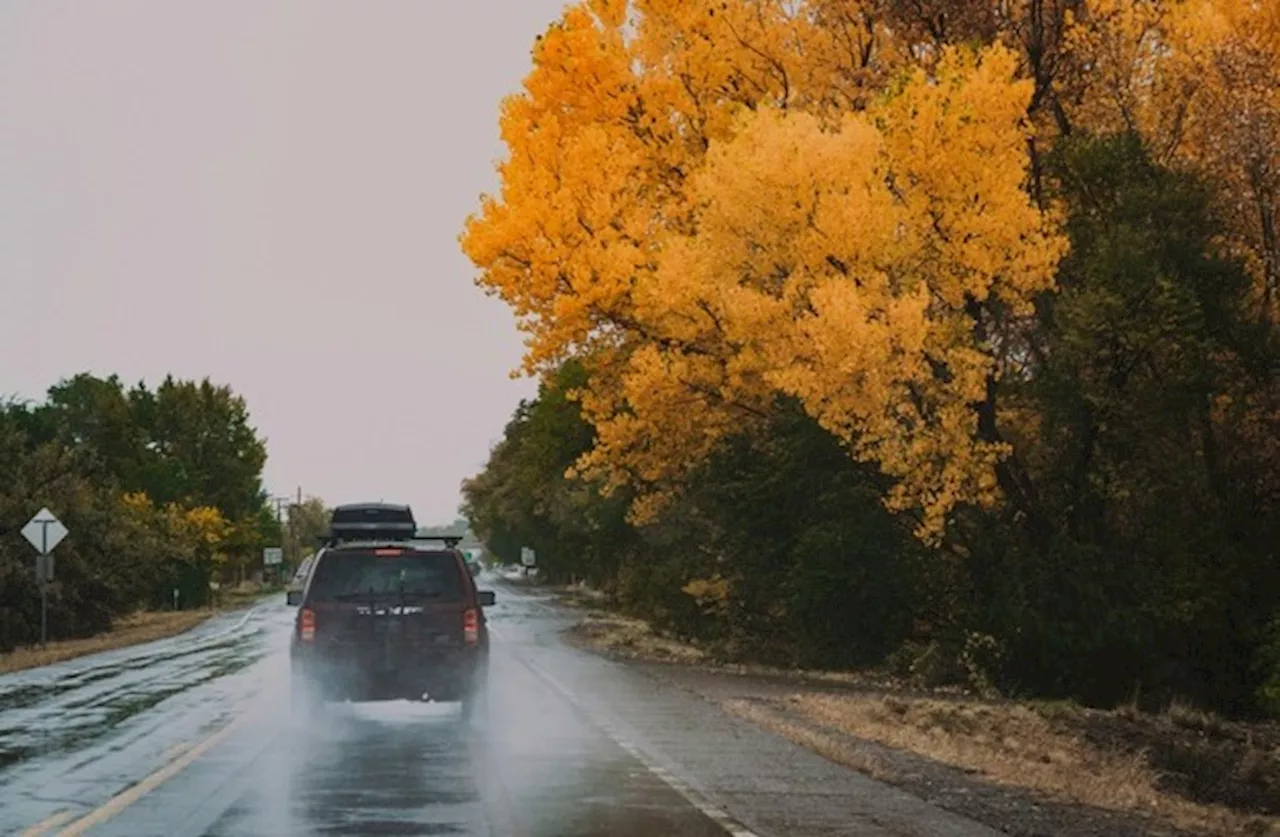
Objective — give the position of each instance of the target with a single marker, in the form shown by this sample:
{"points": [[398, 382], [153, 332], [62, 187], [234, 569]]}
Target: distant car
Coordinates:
{"points": [[299, 580], [390, 618]]}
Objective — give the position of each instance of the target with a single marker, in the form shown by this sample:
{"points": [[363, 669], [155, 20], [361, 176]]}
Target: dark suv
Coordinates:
{"points": [[390, 617]]}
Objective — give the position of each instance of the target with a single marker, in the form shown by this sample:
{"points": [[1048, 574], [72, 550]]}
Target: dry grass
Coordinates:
{"points": [[823, 744], [632, 638], [132, 630], [1015, 745], [1191, 718], [607, 630], [580, 596], [242, 595]]}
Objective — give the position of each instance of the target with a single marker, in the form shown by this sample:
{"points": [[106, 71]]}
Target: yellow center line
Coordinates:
{"points": [[132, 794], [48, 823]]}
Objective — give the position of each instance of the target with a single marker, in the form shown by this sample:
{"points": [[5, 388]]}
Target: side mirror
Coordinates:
{"points": [[486, 597], [293, 598]]}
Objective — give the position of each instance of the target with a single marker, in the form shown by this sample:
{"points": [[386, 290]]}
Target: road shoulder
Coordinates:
{"points": [[1021, 769], [138, 629], [127, 632], [763, 780]]}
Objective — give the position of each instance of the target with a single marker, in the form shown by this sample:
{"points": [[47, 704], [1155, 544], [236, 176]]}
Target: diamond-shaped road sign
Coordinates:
{"points": [[44, 531]]}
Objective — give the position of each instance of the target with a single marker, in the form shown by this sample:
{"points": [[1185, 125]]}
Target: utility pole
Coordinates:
{"points": [[280, 501]]}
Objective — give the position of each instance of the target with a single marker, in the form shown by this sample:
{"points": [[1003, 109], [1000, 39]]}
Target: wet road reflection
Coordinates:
{"points": [[530, 765], [533, 767]]}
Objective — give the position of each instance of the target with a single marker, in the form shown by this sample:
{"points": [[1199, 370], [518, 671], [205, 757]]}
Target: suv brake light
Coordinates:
{"points": [[307, 625], [471, 626]]}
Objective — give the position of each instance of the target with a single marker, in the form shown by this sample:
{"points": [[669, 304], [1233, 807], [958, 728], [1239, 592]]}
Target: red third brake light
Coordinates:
{"points": [[471, 626], [307, 625]]}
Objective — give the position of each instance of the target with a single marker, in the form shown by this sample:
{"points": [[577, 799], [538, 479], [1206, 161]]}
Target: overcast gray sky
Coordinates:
{"points": [[268, 192]]}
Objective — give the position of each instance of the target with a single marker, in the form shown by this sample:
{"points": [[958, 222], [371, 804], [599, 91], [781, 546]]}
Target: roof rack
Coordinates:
{"points": [[383, 534], [368, 532], [369, 521]]}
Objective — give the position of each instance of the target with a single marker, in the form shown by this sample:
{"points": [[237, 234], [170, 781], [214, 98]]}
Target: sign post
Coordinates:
{"points": [[44, 532], [528, 558], [272, 558]]}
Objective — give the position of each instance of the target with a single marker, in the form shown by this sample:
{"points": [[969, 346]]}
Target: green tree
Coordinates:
{"points": [[818, 572], [522, 498], [207, 452], [1138, 576], [97, 412], [94, 454]]}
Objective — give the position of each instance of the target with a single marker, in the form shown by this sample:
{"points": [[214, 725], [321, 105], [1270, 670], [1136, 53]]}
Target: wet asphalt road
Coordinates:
{"points": [[195, 736]]}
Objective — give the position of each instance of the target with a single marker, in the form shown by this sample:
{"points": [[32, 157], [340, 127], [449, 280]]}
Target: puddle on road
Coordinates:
{"points": [[26, 695], [30, 694], [412, 769], [75, 724]]}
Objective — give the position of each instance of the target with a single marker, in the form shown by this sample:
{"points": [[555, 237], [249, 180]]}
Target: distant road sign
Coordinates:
{"points": [[527, 557], [272, 555], [44, 531]]}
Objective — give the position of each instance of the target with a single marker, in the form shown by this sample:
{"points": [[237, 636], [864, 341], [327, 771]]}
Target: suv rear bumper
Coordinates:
{"points": [[443, 675]]}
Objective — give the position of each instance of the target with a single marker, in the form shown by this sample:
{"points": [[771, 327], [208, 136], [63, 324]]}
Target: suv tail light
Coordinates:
{"points": [[307, 625], [471, 626]]}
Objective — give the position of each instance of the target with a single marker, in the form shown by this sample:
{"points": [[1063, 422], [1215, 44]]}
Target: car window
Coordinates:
{"points": [[357, 574]]}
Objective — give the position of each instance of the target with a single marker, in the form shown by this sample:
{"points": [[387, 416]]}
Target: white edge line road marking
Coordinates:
{"points": [[48, 823], [710, 811], [133, 793]]}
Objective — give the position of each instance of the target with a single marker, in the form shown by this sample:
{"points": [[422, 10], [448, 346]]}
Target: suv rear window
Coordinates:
{"points": [[360, 575]]}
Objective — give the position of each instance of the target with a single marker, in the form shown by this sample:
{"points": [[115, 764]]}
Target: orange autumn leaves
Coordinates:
{"points": [[717, 204], [1200, 80]]}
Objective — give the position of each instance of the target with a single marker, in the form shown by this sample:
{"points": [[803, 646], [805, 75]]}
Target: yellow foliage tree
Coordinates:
{"points": [[196, 533], [743, 201], [202, 526]]}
